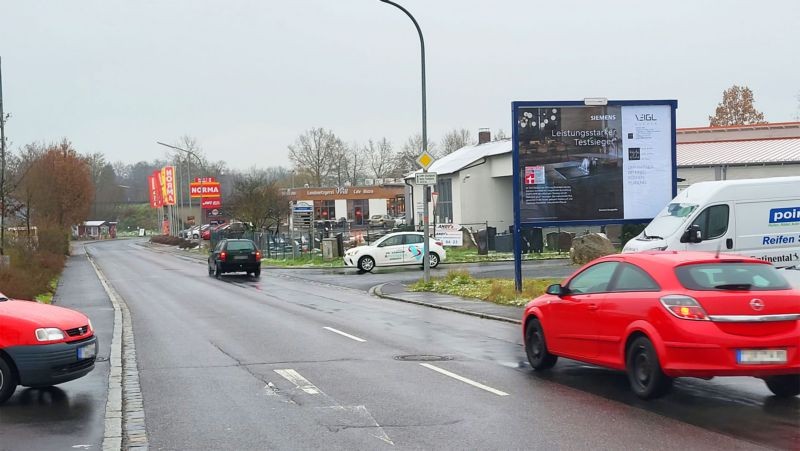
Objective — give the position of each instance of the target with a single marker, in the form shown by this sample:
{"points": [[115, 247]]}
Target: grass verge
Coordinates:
{"points": [[499, 291], [47, 296]]}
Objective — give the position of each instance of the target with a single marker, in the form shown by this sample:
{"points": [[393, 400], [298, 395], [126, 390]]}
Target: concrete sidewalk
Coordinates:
{"points": [[467, 306]]}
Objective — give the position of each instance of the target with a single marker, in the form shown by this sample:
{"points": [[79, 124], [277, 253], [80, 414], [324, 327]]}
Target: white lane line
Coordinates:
{"points": [[298, 380], [345, 334], [464, 379]]}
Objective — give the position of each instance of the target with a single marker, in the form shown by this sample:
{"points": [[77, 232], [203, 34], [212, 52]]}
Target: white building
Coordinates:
{"points": [[475, 182]]}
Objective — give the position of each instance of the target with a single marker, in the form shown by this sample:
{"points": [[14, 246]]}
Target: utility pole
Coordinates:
{"points": [[2, 167]]}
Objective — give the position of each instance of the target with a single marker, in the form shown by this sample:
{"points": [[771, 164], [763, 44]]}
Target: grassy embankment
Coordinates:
{"points": [[499, 291]]}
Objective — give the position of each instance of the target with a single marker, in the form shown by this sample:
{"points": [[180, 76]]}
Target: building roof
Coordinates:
{"points": [[756, 151], [467, 155], [93, 223]]}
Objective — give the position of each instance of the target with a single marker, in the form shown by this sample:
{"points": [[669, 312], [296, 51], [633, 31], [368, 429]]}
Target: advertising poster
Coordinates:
{"points": [[594, 163], [449, 234], [155, 189]]}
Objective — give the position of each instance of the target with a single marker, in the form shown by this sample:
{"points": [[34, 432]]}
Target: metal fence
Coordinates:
{"points": [[303, 243]]}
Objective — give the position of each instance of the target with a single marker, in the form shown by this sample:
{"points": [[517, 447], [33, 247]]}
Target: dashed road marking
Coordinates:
{"points": [[299, 381], [464, 379], [345, 334]]}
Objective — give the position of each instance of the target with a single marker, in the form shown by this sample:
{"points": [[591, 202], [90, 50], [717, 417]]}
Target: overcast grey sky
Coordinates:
{"points": [[247, 77]]}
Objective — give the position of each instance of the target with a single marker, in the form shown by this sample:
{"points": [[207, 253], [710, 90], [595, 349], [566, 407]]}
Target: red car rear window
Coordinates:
{"points": [[731, 276]]}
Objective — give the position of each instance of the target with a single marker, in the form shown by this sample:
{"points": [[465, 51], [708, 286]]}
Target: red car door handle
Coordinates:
{"points": [[591, 306]]}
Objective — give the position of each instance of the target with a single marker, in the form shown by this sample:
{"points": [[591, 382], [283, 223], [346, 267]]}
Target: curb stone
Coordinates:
{"points": [[124, 418], [378, 291]]}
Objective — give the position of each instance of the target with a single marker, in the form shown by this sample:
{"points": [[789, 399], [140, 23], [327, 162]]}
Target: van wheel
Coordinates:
{"points": [[784, 386], [366, 263], [644, 371], [8, 380]]}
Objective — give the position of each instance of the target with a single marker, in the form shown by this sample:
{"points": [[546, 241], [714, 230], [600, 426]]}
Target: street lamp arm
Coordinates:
{"points": [[183, 150], [422, 55]]}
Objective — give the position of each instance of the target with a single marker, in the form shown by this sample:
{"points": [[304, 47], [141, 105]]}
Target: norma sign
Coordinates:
{"points": [[169, 185], [202, 189], [425, 178]]}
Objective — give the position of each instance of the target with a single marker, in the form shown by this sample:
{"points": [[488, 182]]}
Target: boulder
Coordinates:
{"points": [[589, 247]]}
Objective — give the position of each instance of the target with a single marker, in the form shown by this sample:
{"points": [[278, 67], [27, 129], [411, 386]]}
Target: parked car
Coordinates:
{"points": [[42, 345], [198, 231], [232, 255], [400, 220], [384, 221], [661, 315], [206, 232], [401, 248]]}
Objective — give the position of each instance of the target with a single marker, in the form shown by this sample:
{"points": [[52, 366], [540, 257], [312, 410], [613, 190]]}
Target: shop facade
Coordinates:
{"points": [[355, 204]]}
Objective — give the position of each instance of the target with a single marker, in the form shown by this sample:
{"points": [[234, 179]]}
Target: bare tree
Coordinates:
{"points": [[454, 140], [736, 108], [313, 152], [381, 157], [499, 135], [340, 163], [257, 199], [356, 163]]}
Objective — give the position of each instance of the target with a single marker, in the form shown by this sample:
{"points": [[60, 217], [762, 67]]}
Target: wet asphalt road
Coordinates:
{"points": [[70, 415], [240, 363]]}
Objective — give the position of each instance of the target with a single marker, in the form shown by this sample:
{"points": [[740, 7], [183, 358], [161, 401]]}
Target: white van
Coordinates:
{"points": [[755, 217]]}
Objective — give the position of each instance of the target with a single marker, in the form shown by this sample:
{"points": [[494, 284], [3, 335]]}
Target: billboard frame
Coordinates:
{"points": [[517, 188]]}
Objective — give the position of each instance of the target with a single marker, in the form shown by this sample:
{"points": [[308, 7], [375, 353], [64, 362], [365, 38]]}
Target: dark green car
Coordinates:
{"points": [[235, 256]]}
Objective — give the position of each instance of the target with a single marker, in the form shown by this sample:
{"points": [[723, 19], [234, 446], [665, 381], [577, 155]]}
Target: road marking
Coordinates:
{"points": [[464, 379], [298, 380], [345, 334]]}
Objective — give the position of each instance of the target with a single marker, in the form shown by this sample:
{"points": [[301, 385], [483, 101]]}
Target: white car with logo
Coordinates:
{"points": [[402, 248]]}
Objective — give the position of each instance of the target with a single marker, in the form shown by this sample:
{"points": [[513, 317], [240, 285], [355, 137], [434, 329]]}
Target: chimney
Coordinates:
{"points": [[484, 136]]}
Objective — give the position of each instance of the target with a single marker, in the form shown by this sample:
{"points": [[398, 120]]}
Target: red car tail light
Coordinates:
{"points": [[223, 255], [258, 255], [439, 243], [684, 307]]}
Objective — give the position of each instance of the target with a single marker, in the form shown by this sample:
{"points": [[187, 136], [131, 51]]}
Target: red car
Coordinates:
{"points": [[42, 345], [661, 315]]}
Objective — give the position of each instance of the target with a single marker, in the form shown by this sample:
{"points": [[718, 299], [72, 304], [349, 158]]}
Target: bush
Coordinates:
{"points": [[629, 231], [31, 271]]}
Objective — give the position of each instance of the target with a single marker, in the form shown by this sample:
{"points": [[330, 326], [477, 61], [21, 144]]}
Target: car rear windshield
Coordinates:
{"points": [[730, 276], [240, 246]]}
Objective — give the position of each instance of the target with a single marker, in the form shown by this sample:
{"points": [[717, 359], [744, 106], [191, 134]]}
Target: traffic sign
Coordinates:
{"points": [[425, 178], [425, 160]]}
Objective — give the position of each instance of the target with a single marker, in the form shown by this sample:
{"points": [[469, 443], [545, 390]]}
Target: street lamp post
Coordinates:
{"points": [[425, 221], [202, 168]]}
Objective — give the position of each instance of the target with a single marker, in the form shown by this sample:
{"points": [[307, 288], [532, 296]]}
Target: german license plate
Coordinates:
{"points": [[240, 257], [759, 356], [87, 351]]}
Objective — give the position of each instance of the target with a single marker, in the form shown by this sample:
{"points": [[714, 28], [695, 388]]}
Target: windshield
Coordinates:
{"points": [[669, 220]]}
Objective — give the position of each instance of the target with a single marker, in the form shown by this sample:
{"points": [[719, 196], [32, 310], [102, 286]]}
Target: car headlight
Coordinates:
{"points": [[49, 334]]}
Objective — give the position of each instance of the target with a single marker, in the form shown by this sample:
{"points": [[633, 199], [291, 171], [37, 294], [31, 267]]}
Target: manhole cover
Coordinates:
{"points": [[422, 358]]}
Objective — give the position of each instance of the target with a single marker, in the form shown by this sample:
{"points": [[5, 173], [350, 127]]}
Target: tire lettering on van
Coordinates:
{"points": [[785, 258]]}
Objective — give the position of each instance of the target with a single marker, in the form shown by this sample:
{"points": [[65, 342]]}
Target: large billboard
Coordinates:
{"points": [[582, 164]]}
